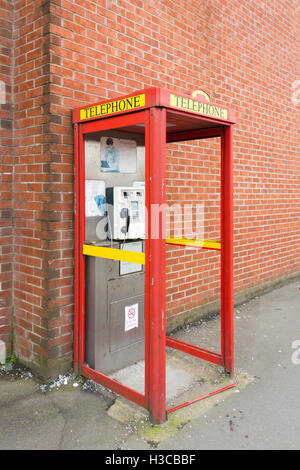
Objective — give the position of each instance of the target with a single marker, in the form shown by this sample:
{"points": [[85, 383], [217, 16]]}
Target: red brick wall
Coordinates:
{"points": [[72, 52], [43, 198], [6, 172], [193, 275]]}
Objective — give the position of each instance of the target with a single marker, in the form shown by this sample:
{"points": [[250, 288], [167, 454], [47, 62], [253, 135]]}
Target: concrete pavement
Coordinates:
{"points": [[262, 412]]}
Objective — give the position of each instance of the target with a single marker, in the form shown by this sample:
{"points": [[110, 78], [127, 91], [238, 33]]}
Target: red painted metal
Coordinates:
{"points": [[187, 125], [114, 122], [87, 127], [156, 367], [194, 350], [76, 248], [222, 250], [164, 100], [194, 134], [156, 97], [201, 398], [114, 386], [193, 246], [81, 237], [147, 260], [152, 99], [227, 250]]}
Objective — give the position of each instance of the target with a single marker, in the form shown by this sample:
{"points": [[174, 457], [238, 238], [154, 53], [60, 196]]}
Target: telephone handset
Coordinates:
{"points": [[125, 215]]}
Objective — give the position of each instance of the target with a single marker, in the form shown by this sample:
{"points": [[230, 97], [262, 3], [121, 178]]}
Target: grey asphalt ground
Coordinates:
{"points": [[264, 414]]}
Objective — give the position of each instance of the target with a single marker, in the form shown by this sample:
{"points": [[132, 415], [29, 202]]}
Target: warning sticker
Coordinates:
{"points": [[131, 317]]}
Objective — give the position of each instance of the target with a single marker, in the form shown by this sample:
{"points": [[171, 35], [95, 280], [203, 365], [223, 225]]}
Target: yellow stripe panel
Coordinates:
{"points": [[114, 253], [139, 258], [216, 245]]}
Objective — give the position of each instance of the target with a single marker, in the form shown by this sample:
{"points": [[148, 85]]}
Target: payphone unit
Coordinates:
{"points": [[126, 212]]}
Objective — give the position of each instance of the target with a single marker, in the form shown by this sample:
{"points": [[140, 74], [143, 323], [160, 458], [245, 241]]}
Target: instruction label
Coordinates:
{"points": [[131, 317]]}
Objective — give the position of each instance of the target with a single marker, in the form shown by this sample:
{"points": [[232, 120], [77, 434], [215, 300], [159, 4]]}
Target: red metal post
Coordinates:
{"points": [[76, 248], [201, 398], [156, 264], [81, 240], [227, 250], [113, 385], [194, 350]]}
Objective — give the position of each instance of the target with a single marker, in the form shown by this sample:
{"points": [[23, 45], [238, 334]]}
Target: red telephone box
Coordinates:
{"points": [[139, 125]]}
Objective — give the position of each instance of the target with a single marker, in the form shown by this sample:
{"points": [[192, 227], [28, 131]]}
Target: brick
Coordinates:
{"points": [[70, 52]]}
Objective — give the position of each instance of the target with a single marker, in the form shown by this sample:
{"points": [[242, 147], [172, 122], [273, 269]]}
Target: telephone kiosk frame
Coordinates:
{"points": [[163, 117]]}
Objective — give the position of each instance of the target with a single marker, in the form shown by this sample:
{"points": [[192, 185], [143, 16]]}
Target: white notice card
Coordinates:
{"points": [[94, 198], [117, 155], [131, 317]]}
